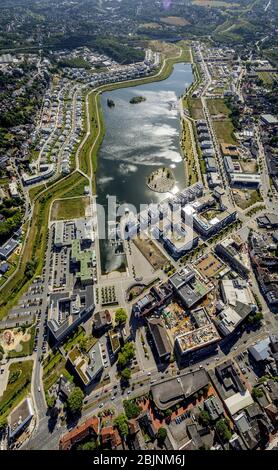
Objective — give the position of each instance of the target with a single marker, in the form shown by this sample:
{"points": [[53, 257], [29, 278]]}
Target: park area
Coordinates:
{"points": [[17, 342], [72, 208]]}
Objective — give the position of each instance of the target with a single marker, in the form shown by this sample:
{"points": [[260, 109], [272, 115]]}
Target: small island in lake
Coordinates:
{"points": [[137, 99], [161, 180], [110, 103]]}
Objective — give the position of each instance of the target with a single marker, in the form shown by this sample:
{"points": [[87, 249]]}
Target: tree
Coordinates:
{"points": [[132, 410], [255, 319], [120, 316], [257, 392], [91, 445], [126, 373], [204, 418], [121, 422], [50, 400], [75, 400], [126, 354], [3, 424], [161, 434], [83, 345], [223, 430]]}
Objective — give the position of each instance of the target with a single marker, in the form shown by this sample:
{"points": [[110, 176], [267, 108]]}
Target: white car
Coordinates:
{"points": [[113, 398], [100, 405], [39, 389]]}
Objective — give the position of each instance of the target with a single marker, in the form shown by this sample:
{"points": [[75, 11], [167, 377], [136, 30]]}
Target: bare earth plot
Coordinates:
{"points": [[151, 252], [174, 21], [246, 198], [73, 208], [214, 3]]}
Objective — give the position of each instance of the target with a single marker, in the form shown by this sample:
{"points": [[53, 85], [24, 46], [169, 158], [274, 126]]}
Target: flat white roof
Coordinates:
{"points": [[238, 401]]}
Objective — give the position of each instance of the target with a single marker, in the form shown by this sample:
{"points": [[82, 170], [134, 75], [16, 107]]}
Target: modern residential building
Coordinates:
{"points": [[87, 367], [245, 180], [20, 417], [231, 251], [210, 222], [67, 310], [189, 287], [8, 248]]}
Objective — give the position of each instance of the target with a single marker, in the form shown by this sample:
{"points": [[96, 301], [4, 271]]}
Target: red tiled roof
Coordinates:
{"points": [[90, 426], [109, 434]]}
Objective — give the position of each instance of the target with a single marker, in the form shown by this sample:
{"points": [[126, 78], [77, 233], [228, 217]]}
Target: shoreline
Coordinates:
{"points": [[91, 156]]}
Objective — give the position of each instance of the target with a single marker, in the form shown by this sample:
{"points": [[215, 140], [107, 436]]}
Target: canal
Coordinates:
{"points": [[139, 138]]}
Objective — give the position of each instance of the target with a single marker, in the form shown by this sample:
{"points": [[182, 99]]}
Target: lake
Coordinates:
{"points": [[139, 138]]}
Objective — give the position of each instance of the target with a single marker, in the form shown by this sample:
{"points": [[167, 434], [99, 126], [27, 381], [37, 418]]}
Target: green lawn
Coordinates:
{"points": [[53, 368], [74, 339], [217, 106], [18, 389], [224, 131], [64, 209]]}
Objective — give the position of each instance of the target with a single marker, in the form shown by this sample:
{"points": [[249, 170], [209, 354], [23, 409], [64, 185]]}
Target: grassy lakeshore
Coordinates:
{"points": [[188, 152]]}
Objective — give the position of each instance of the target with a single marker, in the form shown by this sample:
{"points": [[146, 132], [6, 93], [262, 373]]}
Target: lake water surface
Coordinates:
{"points": [[139, 138]]}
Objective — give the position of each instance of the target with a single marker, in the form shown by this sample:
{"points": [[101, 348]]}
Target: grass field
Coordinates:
{"points": [[19, 384], [77, 189], [91, 145], [195, 108], [174, 21], [186, 145], [217, 106], [223, 127], [268, 77], [214, 3], [151, 25], [64, 209], [224, 131]]}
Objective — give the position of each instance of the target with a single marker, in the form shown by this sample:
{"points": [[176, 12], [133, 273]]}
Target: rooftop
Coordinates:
{"points": [[169, 392], [196, 339]]}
